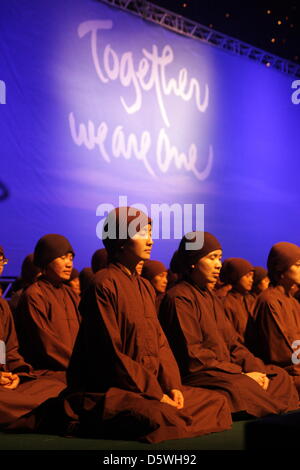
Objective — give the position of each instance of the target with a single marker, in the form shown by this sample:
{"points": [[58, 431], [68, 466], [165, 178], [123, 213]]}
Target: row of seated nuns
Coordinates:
{"points": [[131, 350]]}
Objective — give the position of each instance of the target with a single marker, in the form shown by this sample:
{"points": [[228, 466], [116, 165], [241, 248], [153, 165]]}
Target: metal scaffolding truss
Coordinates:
{"points": [[7, 285], [189, 28]]}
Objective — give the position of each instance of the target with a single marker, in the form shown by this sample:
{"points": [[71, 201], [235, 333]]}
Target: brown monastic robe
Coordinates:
{"points": [[47, 323], [210, 354], [239, 311], [277, 326], [16, 406], [158, 299], [122, 366]]}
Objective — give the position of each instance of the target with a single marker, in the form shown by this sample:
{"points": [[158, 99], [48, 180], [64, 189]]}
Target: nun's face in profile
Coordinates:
{"points": [[293, 273], [207, 269], [139, 246], [139, 267], [160, 282], [245, 283], [60, 269], [75, 285], [263, 284]]}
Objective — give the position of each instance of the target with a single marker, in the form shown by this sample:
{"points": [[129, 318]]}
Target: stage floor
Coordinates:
{"points": [[232, 439], [273, 432]]}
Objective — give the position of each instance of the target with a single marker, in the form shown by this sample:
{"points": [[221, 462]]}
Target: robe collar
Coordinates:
{"points": [[56, 285], [126, 270]]}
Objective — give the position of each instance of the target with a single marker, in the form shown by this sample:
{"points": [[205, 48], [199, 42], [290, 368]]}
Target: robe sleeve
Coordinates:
{"points": [[14, 361], [128, 374], [229, 312], [179, 312], [169, 375], [239, 353], [39, 339], [243, 357]]}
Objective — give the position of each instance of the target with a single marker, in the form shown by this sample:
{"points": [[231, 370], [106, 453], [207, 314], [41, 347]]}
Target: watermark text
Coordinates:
{"points": [[169, 221], [2, 92]]}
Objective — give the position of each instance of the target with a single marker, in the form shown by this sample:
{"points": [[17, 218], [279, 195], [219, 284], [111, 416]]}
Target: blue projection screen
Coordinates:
{"points": [[99, 106]]}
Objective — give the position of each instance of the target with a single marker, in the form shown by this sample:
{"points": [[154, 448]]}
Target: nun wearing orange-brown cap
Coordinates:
{"points": [[205, 344], [86, 277], [22, 389], [29, 274], [261, 282], [99, 260], [123, 379], [157, 274], [277, 312], [238, 272], [47, 313]]}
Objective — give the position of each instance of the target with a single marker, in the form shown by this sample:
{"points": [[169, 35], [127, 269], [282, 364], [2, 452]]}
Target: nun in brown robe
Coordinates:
{"points": [[221, 289], [123, 379], [277, 312], [261, 282], [238, 303], [29, 274], [157, 274], [206, 346], [99, 260], [86, 276], [22, 390], [47, 314]]}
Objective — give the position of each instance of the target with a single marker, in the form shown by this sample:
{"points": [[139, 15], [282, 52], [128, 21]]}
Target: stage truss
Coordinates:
{"points": [[187, 27]]}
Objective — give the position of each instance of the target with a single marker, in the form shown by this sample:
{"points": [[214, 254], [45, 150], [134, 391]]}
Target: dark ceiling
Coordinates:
{"points": [[275, 29]]}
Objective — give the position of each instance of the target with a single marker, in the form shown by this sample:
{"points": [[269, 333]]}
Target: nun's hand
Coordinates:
{"points": [[178, 398], [5, 378], [15, 380], [260, 378], [166, 399]]}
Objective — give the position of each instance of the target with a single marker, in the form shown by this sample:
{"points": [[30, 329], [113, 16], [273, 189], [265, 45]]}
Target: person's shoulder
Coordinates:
{"points": [[269, 295], [105, 274], [295, 302], [237, 296], [181, 289], [3, 302], [39, 289], [4, 306], [147, 285], [108, 278], [34, 288], [5, 311], [270, 301], [142, 280], [232, 298], [71, 292]]}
